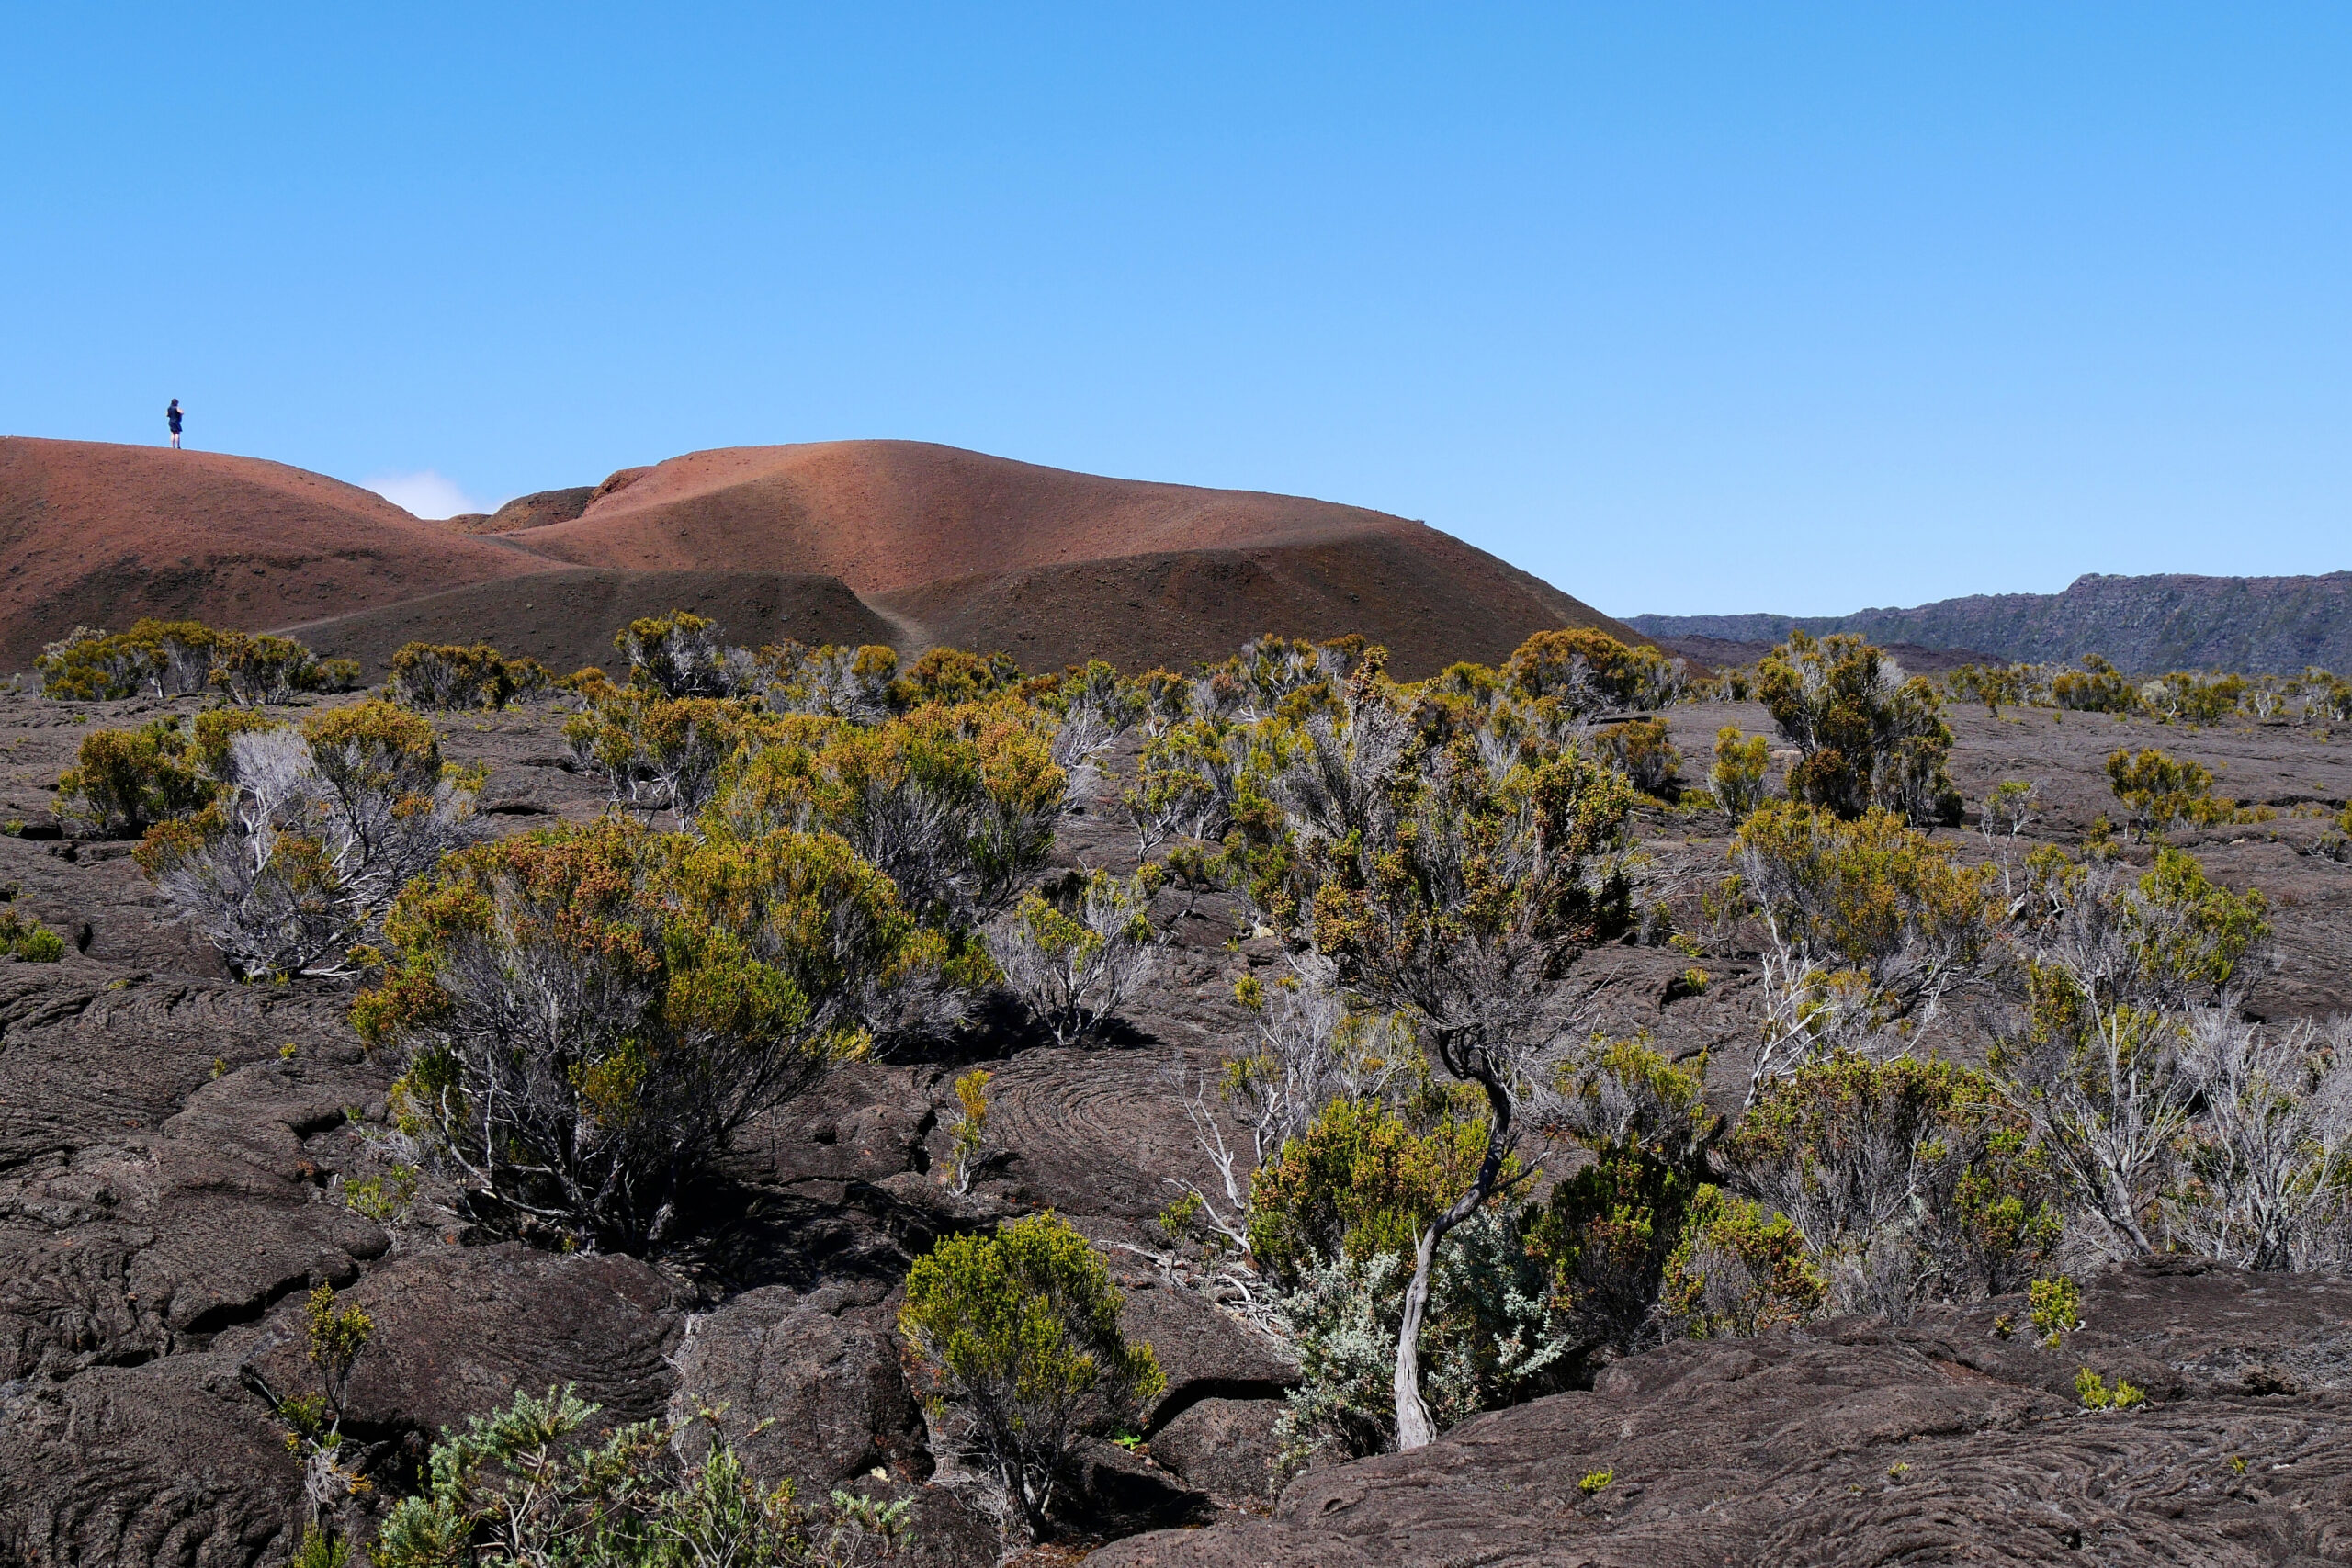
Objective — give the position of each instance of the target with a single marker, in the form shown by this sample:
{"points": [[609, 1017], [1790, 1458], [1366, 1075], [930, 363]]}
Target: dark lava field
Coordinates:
{"points": [[176, 1150]]}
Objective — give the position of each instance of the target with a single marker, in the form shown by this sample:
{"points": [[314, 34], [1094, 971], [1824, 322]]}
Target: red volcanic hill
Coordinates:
{"points": [[1052, 566], [99, 535], [916, 543]]}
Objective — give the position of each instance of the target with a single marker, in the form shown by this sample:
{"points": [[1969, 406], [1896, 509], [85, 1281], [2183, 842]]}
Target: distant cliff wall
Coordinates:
{"points": [[2256, 624]]}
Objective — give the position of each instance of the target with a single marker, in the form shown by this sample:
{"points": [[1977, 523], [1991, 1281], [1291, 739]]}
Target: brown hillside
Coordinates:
{"points": [[100, 535], [1432, 600], [566, 618], [943, 546], [884, 514], [1055, 567]]}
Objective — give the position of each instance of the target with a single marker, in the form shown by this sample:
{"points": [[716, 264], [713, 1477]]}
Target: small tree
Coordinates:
{"points": [[969, 1134], [588, 1015], [314, 832], [1448, 885], [334, 1339], [1075, 961], [1017, 1351], [1868, 734]]}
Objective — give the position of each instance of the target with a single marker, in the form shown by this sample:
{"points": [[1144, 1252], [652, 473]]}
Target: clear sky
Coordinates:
{"points": [[1686, 308]]}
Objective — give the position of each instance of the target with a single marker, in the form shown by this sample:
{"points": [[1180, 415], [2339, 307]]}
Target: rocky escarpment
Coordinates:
{"points": [[2253, 625]]}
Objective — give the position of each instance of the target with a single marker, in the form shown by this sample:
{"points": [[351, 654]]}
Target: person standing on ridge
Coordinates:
{"points": [[171, 418]]}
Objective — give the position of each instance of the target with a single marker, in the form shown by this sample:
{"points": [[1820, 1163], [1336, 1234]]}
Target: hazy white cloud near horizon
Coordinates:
{"points": [[425, 493]]}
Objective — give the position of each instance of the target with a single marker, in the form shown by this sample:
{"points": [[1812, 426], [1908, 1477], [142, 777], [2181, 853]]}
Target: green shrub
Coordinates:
{"points": [[1864, 924], [1993, 686], [2335, 839], [526, 1485], [1910, 1179], [315, 830], [660, 753], [29, 939], [1590, 671], [1867, 736], [1610, 1226], [2096, 1058], [683, 655], [1737, 781], [951, 676], [586, 1016], [2055, 1308], [1017, 1352], [446, 677], [260, 670], [2159, 792], [2096, 1395], [956, 806], [381, 1198], [1074, 960], [2191, 698], [125, 781], [160, 658], [1644, 754], [2096, 688], [1738, 1270]]}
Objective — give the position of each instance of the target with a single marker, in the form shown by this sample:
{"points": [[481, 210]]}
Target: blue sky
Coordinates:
{"points": [[1686, 308]]}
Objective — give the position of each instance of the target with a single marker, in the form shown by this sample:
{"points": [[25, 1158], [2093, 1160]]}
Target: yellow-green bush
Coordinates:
{"points": [[1738, 1269], [2097, 687], [125, 781], [446, 676], [1737, 781], [1591, 671], [1017, 1352], [586, 1016], [1867, 736], [27, 939], [1643, 752], [2159, 792]]}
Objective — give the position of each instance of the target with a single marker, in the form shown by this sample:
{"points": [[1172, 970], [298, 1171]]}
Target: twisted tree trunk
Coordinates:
{"points": [[1415, 1426]]}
